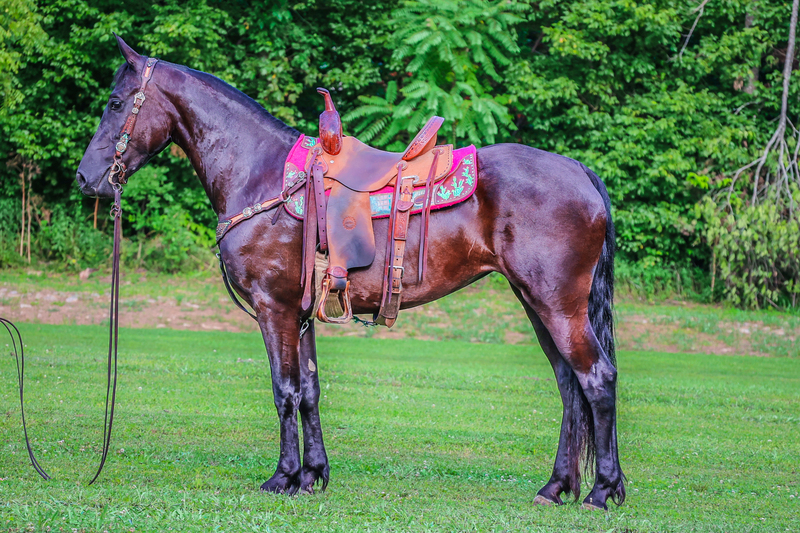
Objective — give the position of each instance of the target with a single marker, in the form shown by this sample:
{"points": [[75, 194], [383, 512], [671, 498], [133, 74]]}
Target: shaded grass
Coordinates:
{"points": [[422, 436]]}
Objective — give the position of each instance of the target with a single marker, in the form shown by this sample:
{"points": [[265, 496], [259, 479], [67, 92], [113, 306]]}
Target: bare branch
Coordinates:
{"points": [[699, 8], [786, 167]]}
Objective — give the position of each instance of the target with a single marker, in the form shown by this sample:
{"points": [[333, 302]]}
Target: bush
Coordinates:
{"points": [[650, 280], [755, 253], [70, 242]]}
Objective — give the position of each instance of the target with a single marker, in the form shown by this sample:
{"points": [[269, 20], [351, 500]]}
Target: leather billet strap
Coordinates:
{"points": [[402, 201], [427, 202], [318, 172], [118, 168]]}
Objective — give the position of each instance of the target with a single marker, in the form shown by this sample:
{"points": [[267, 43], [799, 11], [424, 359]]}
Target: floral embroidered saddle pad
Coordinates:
{"points": [[451, 188]]}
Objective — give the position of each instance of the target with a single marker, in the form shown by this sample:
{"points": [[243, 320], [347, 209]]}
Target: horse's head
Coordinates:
{"points": [[150, 136]]}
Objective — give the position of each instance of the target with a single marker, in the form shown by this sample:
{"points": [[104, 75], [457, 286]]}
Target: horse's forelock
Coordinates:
{"points": [[119, 74]]}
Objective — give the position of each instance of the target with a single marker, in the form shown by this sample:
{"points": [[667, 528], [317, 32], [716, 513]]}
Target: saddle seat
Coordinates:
{"points": [[350, 170]]}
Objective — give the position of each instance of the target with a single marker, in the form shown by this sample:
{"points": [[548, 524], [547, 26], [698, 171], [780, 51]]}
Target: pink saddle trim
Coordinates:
{"points": [[459, 184]]}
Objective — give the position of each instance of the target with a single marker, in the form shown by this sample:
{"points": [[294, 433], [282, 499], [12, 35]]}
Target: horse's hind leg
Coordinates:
{"points": [[562, 306], [315, 459], [575, 424], [567, 320]]}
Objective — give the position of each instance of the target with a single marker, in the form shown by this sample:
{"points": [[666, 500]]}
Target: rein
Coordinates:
{"points": [[116, 177]]}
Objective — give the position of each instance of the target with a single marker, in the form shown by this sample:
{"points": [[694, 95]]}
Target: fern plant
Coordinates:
{"points": [[451, 53]]}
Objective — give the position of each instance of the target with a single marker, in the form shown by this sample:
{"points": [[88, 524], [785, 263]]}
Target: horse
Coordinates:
{"points": [[540, 219]]}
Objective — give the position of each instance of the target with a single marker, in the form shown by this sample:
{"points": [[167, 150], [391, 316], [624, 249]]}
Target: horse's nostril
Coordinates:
{"points": [[81, 180]]}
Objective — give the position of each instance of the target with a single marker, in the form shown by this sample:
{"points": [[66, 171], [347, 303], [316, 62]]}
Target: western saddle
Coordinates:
{"points": [[342, 223]]}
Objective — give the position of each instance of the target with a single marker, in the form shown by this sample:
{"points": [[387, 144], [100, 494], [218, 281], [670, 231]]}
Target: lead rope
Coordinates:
{"points": [[20, 358], [113, 342], [113, 330]]}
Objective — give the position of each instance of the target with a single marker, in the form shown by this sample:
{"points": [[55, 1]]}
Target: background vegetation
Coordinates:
{"points": [[666, 100]]}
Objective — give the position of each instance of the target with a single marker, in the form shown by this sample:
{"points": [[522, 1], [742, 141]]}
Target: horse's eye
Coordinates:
{"points": [[115, 105]]}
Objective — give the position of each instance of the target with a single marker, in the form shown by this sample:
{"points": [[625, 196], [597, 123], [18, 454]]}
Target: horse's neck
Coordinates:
{"points": [[236, 148]]}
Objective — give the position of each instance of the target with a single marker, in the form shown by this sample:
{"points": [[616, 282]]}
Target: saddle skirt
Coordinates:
{"points": [[455, 181]]}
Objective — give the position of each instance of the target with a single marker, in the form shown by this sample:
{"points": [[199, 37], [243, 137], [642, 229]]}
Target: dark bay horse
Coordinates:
{"points": [[540, 219]]}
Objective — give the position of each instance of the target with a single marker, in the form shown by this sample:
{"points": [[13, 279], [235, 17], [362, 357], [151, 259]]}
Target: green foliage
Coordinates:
{"points": [[72, 244], [601, 81], [450, 52], [756, 253], [651, 280]]}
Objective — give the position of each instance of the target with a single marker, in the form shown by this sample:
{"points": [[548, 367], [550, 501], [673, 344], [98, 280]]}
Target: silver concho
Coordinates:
{"points": [[248, 212]]}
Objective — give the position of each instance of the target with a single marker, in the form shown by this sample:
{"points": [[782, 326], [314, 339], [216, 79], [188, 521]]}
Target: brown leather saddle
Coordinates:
{"points": [[341, 221]]}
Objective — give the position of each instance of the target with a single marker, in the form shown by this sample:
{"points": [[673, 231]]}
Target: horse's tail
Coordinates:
{"points": [[601, 297], [580, 424]]}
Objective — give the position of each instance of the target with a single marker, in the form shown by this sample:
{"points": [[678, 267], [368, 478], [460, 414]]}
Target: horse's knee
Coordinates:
{"points": [[600, 384], [287, 399]]}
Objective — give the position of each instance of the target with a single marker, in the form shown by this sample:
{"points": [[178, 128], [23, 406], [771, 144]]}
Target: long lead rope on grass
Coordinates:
{"points": [[20, 357], [113, 343], [113, 331]]}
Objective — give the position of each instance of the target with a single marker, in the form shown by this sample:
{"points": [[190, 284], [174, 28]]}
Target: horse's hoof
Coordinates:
{"points": [[280, 484], [310, 476], [593, 507], [541, 500]]}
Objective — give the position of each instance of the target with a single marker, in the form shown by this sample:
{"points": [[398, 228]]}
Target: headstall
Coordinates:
{"points": [[118, 168]]}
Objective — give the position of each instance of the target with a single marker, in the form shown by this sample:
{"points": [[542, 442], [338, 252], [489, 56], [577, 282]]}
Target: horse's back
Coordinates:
{"points": [[516, 173]]}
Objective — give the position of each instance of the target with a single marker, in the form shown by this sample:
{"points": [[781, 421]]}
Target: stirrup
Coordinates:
{"points": [[348, 309]]}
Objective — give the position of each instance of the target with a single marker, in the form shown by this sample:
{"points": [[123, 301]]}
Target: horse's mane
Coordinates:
{"points": [[228, 90]]}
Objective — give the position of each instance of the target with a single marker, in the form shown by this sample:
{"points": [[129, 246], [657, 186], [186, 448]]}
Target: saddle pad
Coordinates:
{"points": [[460, 183]]}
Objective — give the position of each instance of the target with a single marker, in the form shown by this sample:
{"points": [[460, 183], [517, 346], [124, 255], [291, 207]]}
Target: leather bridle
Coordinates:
{"points": [[116, 177], [118, 168]]}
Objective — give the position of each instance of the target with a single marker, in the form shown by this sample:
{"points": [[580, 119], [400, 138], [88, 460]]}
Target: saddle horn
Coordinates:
{"points": [[330, 125]]}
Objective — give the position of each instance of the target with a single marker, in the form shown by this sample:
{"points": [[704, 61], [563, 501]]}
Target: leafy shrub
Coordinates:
{"points": [[755, 253], [70, 242], [651, 280]]}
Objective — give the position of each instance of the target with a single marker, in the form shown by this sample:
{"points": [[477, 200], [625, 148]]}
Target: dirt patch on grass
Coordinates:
{"points": [[479, 313]]}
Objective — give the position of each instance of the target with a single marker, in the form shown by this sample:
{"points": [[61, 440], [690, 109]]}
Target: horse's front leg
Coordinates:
{"points": [[281, 330], [315, 459]]}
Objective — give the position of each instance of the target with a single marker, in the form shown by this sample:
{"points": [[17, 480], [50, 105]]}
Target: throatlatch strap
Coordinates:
{"points": [[228, 287]]}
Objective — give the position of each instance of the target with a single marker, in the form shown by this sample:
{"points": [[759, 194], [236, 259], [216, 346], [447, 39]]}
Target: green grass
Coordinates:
{"points": [[422, 436]]}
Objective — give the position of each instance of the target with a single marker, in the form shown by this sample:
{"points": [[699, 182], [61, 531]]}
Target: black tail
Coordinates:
{"points": [[580, 424], [601, 297]]}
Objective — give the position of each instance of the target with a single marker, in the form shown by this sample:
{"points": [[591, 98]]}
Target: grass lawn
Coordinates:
{"points": [[422, 436]]}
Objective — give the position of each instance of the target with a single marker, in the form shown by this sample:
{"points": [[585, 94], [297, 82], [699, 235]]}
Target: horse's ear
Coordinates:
{"points": [[128, 53]]}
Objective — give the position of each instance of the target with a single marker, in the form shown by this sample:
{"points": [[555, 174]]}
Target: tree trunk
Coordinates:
{"points": [[29, 218], [22, 216], [749, 20]]}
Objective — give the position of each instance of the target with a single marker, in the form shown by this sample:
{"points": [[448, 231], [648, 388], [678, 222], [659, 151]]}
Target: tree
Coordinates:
{"points": [[778, 160], [447, 61]]}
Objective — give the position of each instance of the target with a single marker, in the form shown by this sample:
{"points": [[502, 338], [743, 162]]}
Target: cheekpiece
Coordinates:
{"points": [[122, 145]]}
